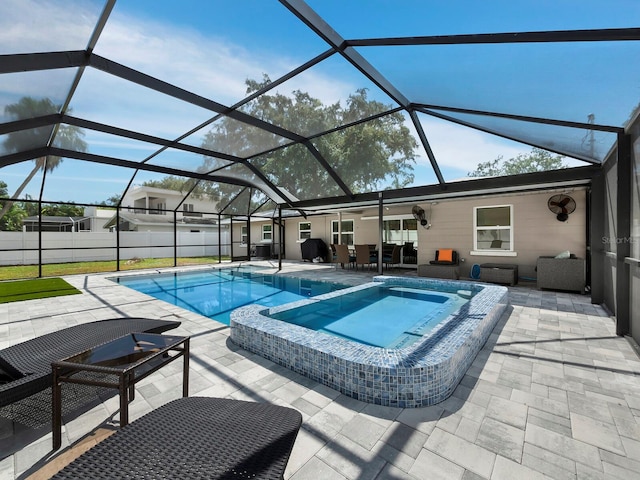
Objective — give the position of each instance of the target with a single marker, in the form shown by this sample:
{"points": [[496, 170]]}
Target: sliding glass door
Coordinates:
{"points": [[403, 231]]}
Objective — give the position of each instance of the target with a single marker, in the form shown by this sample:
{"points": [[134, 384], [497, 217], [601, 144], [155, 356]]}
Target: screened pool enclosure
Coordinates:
{"points": [[271, 109]]}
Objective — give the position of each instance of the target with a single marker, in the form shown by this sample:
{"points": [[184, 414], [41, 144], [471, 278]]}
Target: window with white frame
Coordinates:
{"points": [[493, 229], [187, 210], [346, 228], [266, 233], [304, 230], [160, 209], [243, 235]]}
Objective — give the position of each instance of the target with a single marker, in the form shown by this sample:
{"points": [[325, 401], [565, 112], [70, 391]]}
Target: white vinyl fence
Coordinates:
{"points": [[21, 248]]}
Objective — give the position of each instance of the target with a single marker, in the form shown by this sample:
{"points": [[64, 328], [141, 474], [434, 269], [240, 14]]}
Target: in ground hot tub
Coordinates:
{"points": [[424, 372]]}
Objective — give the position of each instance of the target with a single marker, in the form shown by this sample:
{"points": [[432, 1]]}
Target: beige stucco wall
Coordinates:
{"points": [[536, 230]]}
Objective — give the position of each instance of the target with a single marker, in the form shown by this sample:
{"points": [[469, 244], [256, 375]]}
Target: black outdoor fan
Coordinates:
{"points": [[562, 205], [420, 216]]}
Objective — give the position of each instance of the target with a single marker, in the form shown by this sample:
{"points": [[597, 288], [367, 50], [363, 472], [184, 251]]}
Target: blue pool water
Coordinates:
{"points": [[385, 316], [215, 293]]}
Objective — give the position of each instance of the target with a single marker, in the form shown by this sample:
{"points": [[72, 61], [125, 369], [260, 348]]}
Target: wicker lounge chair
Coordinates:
{"points": [[442, 267], [25, 368], [196, 437]]}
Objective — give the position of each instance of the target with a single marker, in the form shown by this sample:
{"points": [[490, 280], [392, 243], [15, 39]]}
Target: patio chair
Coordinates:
{"points": [[196, 437], [445, 265], [409, 254], [364, 256], [391, 254], [25, 368], [446, 256], [343, 256]]}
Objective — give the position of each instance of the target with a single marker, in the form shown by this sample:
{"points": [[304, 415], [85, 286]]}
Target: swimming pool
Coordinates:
{"points": [[423, 373], [215, 293], [363, 315]]}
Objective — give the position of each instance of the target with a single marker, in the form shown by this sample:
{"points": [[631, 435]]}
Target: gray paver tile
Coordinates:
{"points": [[315, 469], [475, 458], [350, 459], [597, 433], [521, 387], [625, 462], [405, 439], [363, 431], [506, 469], [501, 438], [549, 457], [507, 411], [432, 466], [563, 445]]}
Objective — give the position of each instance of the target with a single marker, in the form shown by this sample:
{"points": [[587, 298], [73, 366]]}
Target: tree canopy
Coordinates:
{"points": [[12, 219], [537, 160], [366, 156], [67, 136]]}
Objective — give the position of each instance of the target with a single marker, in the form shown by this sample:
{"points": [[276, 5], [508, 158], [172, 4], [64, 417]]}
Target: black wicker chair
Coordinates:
{"points": [[195, 438], [25, 368]]}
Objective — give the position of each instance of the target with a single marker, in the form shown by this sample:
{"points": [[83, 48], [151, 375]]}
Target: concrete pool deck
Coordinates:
{"points": [[553, 394]]}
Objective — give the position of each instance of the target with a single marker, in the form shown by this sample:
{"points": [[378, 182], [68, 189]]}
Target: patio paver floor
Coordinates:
{"points": [[554, 394]]}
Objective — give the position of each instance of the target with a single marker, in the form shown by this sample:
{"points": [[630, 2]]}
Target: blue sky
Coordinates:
{"points": [[211, 47]]}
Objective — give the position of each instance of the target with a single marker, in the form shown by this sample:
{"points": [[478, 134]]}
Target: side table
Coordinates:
{"points": [[499, 273], [130, 358]]}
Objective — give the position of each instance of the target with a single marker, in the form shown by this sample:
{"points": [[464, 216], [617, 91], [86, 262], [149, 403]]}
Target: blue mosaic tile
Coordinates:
{"points": [[422, 374]]}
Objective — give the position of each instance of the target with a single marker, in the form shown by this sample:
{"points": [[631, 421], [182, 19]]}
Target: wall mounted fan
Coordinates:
{"points": [[562, 205], [420, 215]]}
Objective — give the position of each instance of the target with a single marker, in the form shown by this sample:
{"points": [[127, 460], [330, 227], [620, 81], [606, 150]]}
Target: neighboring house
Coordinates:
{"points": [[93, 220], [53, 223], [508, 228], [150, 209]]}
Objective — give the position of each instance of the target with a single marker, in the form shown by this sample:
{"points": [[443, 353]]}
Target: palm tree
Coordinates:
{"points": [[67, 136]]}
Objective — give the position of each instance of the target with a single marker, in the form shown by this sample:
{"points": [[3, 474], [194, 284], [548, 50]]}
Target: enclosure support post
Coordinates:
{"points": [[231, 236], [219, 238], [596, 252], [280, 232], [175, 238], [380, 231], [117, 238], [623, 244], [44, 177], [40, 238]]}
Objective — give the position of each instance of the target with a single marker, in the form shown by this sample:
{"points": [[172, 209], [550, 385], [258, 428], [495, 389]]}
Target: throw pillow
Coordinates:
{"points": [[445, 255], [565, 254]]}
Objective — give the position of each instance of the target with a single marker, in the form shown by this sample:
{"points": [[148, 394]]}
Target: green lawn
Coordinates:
{"points": [[61, 269], [31, 289]]}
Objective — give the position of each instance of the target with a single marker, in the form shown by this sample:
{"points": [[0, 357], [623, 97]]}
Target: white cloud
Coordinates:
{"points": [[35, 26], [208, 65], [463, 148], [458, 150]]}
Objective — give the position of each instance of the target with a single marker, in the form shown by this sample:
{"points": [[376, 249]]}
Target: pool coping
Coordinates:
{"points": [[422, 374]]}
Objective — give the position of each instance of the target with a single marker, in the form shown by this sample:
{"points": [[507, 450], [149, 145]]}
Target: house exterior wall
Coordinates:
{"points": [[537, 232], [153, 198]]}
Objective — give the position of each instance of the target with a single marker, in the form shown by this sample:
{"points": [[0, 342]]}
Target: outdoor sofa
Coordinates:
{"points": [[25, 368], [445, 265], [195, 438], [567, 274]]}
